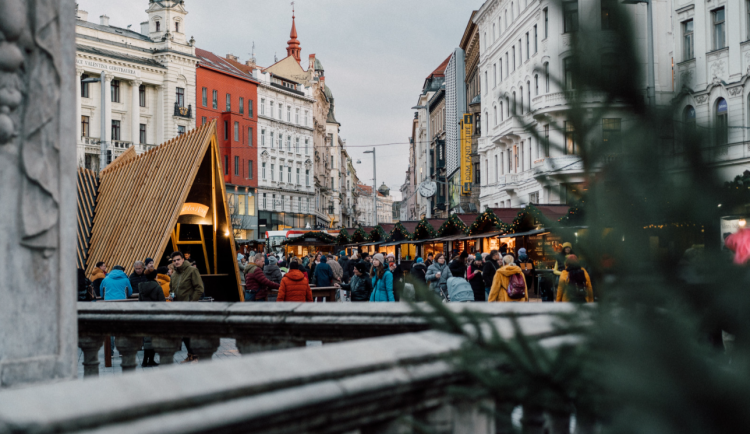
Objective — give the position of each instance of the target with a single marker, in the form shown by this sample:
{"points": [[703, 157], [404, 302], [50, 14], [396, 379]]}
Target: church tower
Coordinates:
{"points": [[293, 48], [166, 20]]}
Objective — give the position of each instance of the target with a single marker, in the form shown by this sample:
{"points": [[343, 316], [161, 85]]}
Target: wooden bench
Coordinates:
{"points": [[327, 292]]}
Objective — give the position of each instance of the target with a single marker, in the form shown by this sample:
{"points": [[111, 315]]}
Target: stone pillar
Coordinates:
{"points": [[107, 111], [161, 123], [135, 120], [204, 348], [38, 188], [128, 348], [249, 345], [90, 345], [166, 347], [80, 149]]}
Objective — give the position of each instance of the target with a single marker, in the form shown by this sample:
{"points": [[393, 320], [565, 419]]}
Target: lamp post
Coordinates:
{"points": [[651, 90], [374, 186], [103, 139]]}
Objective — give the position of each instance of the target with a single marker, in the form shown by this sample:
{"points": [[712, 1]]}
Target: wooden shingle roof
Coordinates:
{"points": [[88, 184]]}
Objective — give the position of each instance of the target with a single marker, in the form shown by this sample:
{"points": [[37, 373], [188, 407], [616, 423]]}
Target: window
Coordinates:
{"points": [[688, 117], [262, 106], [272, 144], [115, 130], [570, 140], [514, 104], [250, 137], [296, 116], [570, 17], [485, 40], [229, 102], [265, 204], [486, 82], [546, 140], [507, 64], [177, 27], [289, 174], [536, 85], [273, 201], [306, 143], [520, 94], [506, 19], [215, 100], [528, 46], [296, 145], [180, 130], [203, 120], [270, 107], [180, 95], [272, 175], [236, 165], [288, 113], [494, 32], [611, 134], [534, 197], [719, 30], [487, 170], [494, 114], [536, 40], [494, 75], [501, 69], [142, 134], [608, 10], [236, 131], [546, 23], [281, 141], [226, 130], [84, 86], [115, 90], [250, 108], [281, 107], [263, 138], [501, 112], [477, 173], [85, 126], [298, 176], [142, 96], [721, 127], [307, 178], [241, 204], [242, 105], [546, 77], [497, 172], [158, 26], [306, 115], [263, 171], [250, 169], [688, 47], [528, 93], [226, 165], [568, 74], [514, 58], [289, 143], [281, 173], [204, 97]]}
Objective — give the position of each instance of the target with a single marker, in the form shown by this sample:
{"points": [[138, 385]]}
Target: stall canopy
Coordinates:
{"points": [[169, 198], [88, 185]]}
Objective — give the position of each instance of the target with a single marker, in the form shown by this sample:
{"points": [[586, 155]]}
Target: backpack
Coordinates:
{"points": [[526, 267], [516, 287]]}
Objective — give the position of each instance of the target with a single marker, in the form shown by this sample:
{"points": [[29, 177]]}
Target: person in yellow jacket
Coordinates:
{"points": [[499, 289], [162, 277], [575, 283], [567, 250]]}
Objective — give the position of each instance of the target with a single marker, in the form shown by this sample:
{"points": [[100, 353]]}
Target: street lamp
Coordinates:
{"points": [[651, 91], [103, 139], [374, 187]]}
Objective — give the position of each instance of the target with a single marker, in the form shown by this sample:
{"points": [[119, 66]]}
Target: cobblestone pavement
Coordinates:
{"points": [[227, 349]]}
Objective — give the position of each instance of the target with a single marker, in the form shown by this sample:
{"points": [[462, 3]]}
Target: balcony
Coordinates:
{"points": [[563, 100], [183, 112]]}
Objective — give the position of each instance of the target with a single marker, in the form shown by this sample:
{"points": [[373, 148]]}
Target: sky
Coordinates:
{"points": [[376, 55]]}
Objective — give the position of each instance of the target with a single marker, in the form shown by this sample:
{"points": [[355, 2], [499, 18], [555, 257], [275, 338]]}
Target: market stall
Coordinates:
{"points": [[310, 242]]}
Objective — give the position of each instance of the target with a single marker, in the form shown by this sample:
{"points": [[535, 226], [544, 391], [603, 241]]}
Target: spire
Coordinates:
{"points": [[293, 47]]}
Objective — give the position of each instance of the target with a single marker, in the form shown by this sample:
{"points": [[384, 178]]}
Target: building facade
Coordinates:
{"points": [[525, 66], [438, 164], [148, 80], [228, 94], [470, 45], [366, 203]]}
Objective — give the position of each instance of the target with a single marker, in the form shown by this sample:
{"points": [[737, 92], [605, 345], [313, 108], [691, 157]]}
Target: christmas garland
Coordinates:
{"points": [[400, 228], [425, 226], [378, 233], [343, 237], [360, 235], [575, 214], [487, 217], [528, 211], [452, 222], [320, 236]]}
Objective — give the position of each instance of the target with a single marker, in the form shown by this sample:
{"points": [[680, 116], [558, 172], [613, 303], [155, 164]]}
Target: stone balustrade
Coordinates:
{"points": [[255, 326], [377, 385]]}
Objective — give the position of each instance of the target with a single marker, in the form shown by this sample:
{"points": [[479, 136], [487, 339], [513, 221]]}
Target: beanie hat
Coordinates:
{"points": [[293, 265], [148, 261], [342, 253], [484, 256], [362, 268], [521, 251], [464, 255], [364, 255], [323, 259], [272, 260], [567, 245], [420, 260], [458, 269], [379, 257]]}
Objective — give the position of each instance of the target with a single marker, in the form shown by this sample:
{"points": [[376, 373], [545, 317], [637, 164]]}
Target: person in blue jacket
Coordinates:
{"points": [[382, 280], [323, 273], [116, 286]]}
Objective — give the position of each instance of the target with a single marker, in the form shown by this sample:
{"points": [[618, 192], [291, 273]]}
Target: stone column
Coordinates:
{"points": [[38, 184], [135, 119], [128, 348], [80, 148], [204, 348], [166, 347], [107, 110], [161, 123], [90, 345]]}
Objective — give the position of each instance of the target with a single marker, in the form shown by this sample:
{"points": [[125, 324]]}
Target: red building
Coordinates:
{"points": [[228, 94]]}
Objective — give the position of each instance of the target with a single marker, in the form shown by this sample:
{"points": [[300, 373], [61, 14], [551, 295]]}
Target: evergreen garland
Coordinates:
{"points": [[343, 237], [427, 228], [378, 233], [400, 228], [361, 235], [453, 221], [575, 214], [487, 217], [528, 211]]}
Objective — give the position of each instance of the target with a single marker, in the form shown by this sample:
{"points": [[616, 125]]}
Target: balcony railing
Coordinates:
{"points": [[183, 112], [334, 388]]}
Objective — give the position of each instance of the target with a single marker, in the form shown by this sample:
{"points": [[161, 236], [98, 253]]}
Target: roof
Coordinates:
{"points": [[247, 69], [88, 185], [366, 189], [410, 225], [209, 59], [440, 70], [471, 28], [114, 30], [467, 219], [121, 56], [318, 66], [506, 215]]}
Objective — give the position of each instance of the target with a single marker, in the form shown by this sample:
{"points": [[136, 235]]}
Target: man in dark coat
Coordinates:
{"points": [[186, 285], [428, 261], [361, 284], [488, 272], [344, 262], [137, 277], [323, 273], [367, 260]]}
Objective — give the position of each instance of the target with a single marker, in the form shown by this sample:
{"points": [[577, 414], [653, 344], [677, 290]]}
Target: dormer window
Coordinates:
{"points": [[158, 26], [177, 27]]}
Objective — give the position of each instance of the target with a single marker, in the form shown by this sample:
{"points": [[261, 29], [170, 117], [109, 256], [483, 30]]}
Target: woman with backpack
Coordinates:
{"points": [[509, 283], [575, 283], [382, 280]]}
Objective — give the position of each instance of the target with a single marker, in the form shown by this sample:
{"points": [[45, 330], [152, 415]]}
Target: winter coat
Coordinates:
{"points": [[136, 280], [338, 272], [476, 280], [438, 284], [488, 272], [344, 262], [255, 280], [419, 272], [116, 286], [360, 287], [398, 281], [501, 281], [96, 278], [294, 287], [272, 272], [349, 270], [323, 273], [163, 280], [529, 278], [186, 283], [382, 288], [83, 286], [563, 290], [150, 291], [459, 290], [305, 261]]}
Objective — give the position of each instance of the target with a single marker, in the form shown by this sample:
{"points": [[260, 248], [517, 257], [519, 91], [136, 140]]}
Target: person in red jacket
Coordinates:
{"points": [[294, 285], [256, 283]]}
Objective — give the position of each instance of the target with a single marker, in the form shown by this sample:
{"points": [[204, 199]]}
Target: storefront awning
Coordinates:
{"points": [[485, 235], [372, 244], [523, 234]]}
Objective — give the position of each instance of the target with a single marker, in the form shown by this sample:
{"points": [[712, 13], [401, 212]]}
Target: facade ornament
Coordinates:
{"points": [[735, 91], [701, 99]]}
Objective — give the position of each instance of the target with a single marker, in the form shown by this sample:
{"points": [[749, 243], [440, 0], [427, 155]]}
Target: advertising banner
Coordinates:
{"points": [[467, 175]]}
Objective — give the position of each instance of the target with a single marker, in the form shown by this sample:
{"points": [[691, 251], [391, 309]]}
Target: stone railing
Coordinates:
{"points": [[255, 326], [379, 385]]}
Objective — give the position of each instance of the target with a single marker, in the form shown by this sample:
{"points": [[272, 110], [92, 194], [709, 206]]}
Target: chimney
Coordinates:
{"points": [[83, 15], [312, 63], [104, 20], [144, 28], [233, 57]]}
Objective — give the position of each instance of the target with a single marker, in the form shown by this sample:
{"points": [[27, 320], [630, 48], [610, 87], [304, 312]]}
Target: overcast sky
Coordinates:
{"points": [[376, 56]]}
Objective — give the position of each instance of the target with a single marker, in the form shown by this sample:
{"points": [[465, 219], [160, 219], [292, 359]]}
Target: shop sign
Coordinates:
{"points": [[467, 174], [106, 67], [194, 209]]}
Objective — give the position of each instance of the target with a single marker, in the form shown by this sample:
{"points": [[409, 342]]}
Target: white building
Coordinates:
{"points": [[365, 203], [149, 82], [524, 46], [286, 188]]}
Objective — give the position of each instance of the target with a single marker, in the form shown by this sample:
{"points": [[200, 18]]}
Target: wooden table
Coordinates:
{"points": [[327, 292]]}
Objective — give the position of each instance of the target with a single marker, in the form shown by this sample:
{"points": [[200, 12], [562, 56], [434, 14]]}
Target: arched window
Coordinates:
{"points": [[546, 77], [507, 105], [721, 124], [536, 85], [502, 117], [494, 112], [514, 103], [688, 118], [528, 93]]}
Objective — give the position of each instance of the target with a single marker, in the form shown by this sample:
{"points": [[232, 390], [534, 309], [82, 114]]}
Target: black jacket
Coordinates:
{"points": [[477, 286], [488, 272], [418, 272], [150, 290], [398, 282], [349, 270], [136, 280], [344, 262], [361, 288]]}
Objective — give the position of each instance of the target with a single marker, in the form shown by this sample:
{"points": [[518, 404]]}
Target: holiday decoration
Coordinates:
{"points": [[452, 226], [487, 222]]}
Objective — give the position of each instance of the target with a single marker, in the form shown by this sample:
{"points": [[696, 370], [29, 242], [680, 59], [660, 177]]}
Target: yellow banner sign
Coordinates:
{"points": [[467, 130], [194, 209]]}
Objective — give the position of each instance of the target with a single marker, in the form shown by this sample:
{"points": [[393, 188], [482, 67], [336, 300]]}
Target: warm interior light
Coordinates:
{"points": [[742, 223]]}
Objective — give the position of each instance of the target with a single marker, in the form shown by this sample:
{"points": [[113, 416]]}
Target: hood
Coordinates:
{"points": [[323, 259], [117, 275], [250, 267], [295, 275], [98, 274], [185, 266], [272, 260], [510, 270], [420, 260], [163, 278]]}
